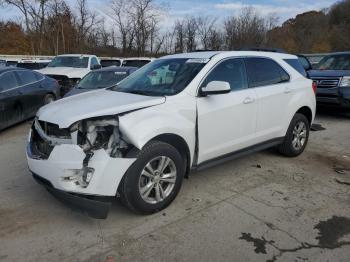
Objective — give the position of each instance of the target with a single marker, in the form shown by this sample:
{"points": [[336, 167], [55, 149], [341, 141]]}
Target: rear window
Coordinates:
{"points": [[263, 71], [106, 63], [135, 63], [295, 63]]}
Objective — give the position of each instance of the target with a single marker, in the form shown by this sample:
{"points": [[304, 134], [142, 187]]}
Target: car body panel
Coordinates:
{"points": [[96, 103], [23, 101], [65, 158], [334, 95], [70, 72]]}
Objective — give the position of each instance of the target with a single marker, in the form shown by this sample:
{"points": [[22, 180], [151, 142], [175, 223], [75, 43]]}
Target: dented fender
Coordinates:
{"points": [[139, 127]]}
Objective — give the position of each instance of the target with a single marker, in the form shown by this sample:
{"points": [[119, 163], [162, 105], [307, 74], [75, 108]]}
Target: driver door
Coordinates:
{"points": [[226, 122]]}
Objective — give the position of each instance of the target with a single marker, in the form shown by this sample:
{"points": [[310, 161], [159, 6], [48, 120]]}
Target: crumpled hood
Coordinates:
{"points": [[69, 110], [70, 72], [328, 73]]}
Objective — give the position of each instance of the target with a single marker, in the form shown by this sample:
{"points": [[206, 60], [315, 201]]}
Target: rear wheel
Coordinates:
{"points": [[297, 136], [49, 98], [154, 180]]}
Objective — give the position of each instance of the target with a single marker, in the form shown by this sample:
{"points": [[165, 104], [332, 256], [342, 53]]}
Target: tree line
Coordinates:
{"points": [[51, 27]]}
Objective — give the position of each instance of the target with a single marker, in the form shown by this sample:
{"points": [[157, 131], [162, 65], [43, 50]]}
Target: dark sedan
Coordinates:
{"points": [[332, 77], [101, 78], [22, 93]]}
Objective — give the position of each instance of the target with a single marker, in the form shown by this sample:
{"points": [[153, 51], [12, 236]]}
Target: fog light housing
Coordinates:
{"points": [[80, 177]]}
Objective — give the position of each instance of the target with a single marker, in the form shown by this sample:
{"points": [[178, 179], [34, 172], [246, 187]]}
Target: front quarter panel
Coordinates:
{"points": [[176, 116]]}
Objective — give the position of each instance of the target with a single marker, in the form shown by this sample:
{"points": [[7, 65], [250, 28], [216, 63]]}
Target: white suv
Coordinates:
{"points": [[138, 140]]}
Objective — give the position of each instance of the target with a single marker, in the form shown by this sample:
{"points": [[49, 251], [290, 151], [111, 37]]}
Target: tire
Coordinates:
{"points": [[138, 179], [290, 146], [48, 98]]}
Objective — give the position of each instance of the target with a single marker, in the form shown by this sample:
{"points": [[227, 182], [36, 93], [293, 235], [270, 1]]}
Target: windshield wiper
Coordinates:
{"points": [[140, 92]]}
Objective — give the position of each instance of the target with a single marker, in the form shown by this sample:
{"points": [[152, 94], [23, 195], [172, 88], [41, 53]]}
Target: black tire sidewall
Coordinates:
{"points": [[130, 191]]}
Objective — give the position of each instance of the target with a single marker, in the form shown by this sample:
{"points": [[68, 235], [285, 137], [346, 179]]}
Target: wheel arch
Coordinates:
{"points": [[180, 144], [307, 112]]}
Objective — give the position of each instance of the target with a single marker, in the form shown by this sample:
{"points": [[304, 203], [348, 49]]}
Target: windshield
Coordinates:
{"points": [[101, 79], [69, 61], [162, 77], [335, 62], [135, 63]]}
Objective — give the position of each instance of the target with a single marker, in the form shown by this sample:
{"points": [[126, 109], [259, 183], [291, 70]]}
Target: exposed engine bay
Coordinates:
{"points": [[90, 135], [94, 134]]}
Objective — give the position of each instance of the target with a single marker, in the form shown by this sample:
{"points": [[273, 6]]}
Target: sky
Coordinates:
{"points": [[177, 9]]}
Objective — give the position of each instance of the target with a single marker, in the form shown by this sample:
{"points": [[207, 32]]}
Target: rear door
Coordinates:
{"points": [[226, 122], [10, 108], [31, 90], [273, 88]]}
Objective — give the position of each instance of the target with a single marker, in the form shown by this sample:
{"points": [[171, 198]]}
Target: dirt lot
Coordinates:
{"points": [[263, 207]]}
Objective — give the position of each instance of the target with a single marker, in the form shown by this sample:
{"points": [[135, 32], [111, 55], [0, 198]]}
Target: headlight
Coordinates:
{"points": [[345, 81], [99, 133]]}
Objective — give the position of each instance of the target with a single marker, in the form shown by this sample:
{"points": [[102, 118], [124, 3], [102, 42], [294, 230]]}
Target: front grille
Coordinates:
{"points": [[326, 82], [54, 130]]}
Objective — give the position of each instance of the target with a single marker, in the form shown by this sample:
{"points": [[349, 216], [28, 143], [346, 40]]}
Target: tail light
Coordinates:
{"points": [[314, 86]]}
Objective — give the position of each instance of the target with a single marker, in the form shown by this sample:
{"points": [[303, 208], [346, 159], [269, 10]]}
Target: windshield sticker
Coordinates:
{"points": [[198, 60], [120, 73]]}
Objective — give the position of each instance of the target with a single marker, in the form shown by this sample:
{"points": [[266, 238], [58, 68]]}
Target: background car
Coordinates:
{"points": [[106, 62], [332, 77], [70, 68], [22, 93], [136, 61], [33, 64], [315, 58], [101, 78]]}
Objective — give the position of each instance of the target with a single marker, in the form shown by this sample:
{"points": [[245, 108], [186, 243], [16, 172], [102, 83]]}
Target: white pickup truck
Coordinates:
{"points": [[70, 68]]}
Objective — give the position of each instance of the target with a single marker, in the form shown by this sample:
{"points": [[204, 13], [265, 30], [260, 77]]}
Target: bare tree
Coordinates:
{"points": [[85, 21], [179, 32], [191, 34], [247, 29], [124, 23], [205, 27]]}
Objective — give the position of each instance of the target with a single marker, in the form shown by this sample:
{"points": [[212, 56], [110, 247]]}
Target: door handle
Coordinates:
{"points": [[248, 100]]}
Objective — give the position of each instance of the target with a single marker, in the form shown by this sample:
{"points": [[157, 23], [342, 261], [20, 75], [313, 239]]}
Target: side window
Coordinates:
{"points": [[232, 71], [263, 71], [7, 81], [296, 64], [94, 61], [26, 77]]}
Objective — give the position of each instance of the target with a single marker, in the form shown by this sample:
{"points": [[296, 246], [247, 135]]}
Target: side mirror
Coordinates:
{"points": [[216, 88], [96, 67]]}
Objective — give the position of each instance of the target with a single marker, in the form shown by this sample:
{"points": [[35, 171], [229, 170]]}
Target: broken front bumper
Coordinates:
{"points": [[96, 207], [63, 164]]}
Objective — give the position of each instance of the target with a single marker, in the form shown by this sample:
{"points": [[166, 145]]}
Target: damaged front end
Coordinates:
{"points": [[87, 159]]}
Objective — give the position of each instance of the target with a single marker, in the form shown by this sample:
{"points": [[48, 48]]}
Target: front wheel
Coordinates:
{"points": [[154, 180], [297, 136]]}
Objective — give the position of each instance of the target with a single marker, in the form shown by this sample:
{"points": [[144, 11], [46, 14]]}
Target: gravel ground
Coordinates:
{"points": [[263, 207]]}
